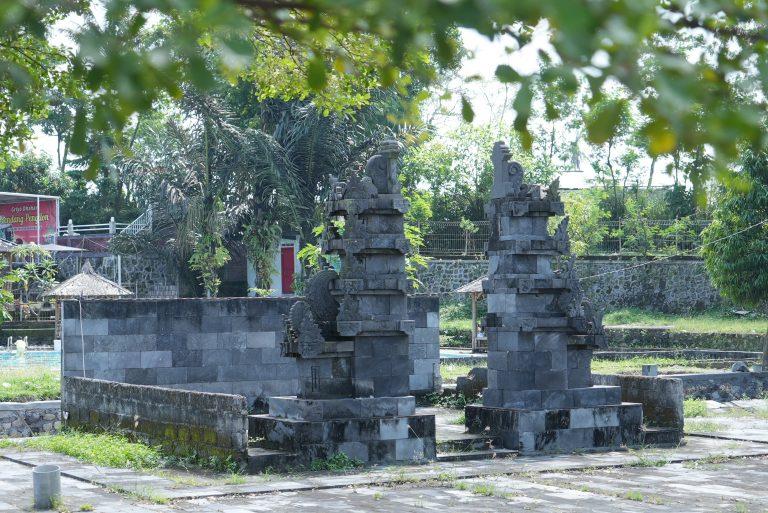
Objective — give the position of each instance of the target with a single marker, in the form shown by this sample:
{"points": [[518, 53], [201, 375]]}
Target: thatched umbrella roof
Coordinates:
{"points": [[87, 284], [6, 247], [472, 286]]}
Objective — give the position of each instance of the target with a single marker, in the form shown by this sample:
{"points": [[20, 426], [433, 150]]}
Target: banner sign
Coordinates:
{"points": [[23, 218]]}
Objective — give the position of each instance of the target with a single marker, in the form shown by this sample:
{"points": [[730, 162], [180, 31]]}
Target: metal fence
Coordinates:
{"points": [[444, 239]]}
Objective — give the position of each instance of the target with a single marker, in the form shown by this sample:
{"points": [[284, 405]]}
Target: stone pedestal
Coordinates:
{"points": [[541, 331], [371, 430], [351, 336]]}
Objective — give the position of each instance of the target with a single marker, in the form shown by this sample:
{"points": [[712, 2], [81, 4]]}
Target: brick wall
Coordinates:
{"points": [[182, 421], [229, 346]]}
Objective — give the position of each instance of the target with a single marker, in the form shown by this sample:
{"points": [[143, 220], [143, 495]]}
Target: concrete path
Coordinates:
{"points": [[704, 474]]}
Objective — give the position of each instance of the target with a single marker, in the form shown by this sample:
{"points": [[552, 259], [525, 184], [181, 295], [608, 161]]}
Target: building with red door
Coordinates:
{"points": [[286, 267]]}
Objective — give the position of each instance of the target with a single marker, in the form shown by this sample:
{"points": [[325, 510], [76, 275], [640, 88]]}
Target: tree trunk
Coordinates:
{"points": [[650, 173]]}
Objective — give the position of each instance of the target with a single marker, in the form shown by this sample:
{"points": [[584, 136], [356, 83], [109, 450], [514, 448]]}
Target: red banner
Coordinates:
{"points": [[23, 218]]}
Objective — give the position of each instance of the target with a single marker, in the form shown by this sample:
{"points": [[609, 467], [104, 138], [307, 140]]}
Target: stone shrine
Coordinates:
{"points": [[350, 335], [541, 331]]}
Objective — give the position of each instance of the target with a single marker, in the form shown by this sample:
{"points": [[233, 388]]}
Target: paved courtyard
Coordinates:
{"points": [[727, 473]]}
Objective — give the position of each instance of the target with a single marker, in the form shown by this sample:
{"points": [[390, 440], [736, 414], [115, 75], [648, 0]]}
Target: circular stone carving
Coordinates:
{"points": [[322, 304]]}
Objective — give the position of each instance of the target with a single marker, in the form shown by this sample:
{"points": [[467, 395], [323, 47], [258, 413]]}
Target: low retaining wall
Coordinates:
{"points": [[724, 386], [29, 419], [183, 422], [679, 284], [662, 397], [229, 346], [662, 338]]}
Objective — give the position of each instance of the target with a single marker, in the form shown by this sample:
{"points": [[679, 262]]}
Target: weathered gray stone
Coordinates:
{"points": [[541, 330]]}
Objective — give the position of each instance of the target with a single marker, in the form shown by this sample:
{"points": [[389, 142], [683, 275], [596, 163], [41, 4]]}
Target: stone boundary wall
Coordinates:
{"points": [[144, 275], [673, 285], [724, 386], [661, 397], [662, 338], [29, 419], [183, 422], [229, 346]]}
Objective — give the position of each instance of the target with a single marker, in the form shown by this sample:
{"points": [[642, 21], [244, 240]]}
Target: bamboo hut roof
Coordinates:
{"points": [[473, 286], [87, 284]]}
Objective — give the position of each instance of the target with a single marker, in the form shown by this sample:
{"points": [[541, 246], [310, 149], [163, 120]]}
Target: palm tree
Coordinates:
{"points": [[212, 179]]}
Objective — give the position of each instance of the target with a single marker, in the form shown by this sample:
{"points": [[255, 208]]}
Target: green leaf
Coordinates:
{"points": [[466, 110], [603, 120], [506, 74], [661, 139], [93, 168], [77, 144], [317, 77]]}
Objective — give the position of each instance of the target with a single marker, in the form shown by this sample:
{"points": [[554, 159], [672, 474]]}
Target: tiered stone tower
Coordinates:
{"points": [[541, 331], [351, 335]]}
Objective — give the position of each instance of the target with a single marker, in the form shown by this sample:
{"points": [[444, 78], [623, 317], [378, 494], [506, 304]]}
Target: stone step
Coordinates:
{"points": [[468, 442], [476, 455], [663, 437], [261, 459]]}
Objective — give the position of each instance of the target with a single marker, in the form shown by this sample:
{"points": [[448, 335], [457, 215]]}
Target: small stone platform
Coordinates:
{"points": [[371, 429], [559, 430]]}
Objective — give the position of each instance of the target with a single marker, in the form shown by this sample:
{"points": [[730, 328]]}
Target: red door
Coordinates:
{"points": [[286, 268]]}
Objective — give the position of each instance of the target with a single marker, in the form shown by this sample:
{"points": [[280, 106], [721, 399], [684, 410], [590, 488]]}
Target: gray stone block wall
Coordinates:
{"points": [[182, 421], [673, 285], [29, 419], [661, 397], [229, 346], [725, 386], [425, 345]]}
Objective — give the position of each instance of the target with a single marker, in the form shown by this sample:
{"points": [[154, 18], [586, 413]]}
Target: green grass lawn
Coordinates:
{"points": [[450, 371], [30, 384], [705, 322], [635, 365], [106, 449]]}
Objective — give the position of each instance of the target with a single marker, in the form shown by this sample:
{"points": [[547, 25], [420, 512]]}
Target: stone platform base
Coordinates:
{"points": [[371, 430], [560, 430]]}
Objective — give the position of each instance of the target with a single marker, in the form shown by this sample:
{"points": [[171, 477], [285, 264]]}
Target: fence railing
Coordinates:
{"points": [[636, 236], [71, 229], [143, 222]]}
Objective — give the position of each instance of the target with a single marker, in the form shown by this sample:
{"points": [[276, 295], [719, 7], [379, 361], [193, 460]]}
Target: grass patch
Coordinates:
{"points": [[695, 408], [634, 365], [703, 426], [31, 384], [106, 449], [338, 461], [460, 420], [6, 444], [451, 371], [705, 322], [453, 401], [485, 490], [634, 496], [648, 462]]}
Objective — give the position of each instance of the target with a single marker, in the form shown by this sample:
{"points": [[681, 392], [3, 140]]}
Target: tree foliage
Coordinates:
{"points": [[736, 243], [698, 69], [454, 174]]}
